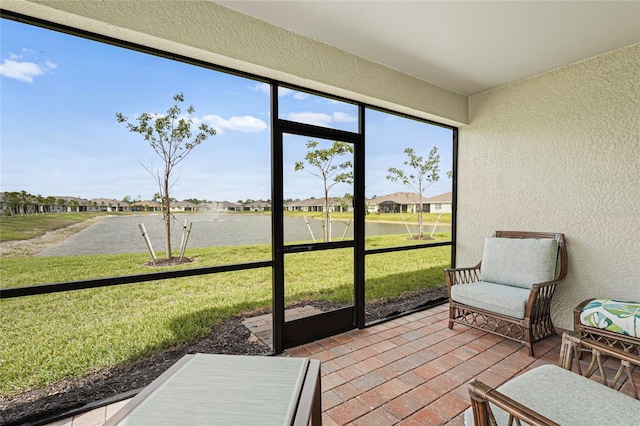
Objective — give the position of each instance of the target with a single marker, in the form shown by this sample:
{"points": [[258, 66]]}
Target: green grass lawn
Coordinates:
{"points": [[50, 337], [33, 225]]}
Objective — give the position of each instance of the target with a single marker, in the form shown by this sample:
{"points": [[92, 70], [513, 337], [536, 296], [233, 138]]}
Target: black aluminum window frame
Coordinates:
{"points": [[291, 127]]}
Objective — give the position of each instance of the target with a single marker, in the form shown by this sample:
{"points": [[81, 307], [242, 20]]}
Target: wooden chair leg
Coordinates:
{"points": [[529, 349], [528, 339], [451, 313]]}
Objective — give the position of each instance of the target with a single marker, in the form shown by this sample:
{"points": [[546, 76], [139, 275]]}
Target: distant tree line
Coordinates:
{"points": [[21, 202]]}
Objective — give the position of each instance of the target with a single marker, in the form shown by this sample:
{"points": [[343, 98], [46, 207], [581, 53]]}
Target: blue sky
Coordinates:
{"points": [[58, 133]]}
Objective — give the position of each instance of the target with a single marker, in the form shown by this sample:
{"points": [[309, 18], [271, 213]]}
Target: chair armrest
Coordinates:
{"points": [[481, 395], [462, 275], [617, 370], [576, 314], [539, 302]]}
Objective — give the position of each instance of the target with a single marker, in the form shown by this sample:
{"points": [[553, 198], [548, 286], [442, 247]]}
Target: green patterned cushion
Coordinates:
{"points": [[613, 315]]}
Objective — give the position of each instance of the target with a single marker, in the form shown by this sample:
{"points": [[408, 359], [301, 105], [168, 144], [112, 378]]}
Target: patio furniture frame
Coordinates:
{"points": [[307, 408], [536, 324], [605, 362]]}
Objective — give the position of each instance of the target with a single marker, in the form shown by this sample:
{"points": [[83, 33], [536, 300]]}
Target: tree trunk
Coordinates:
{"points": [[326, 214], [166, 206], [420, 221], [167, 232]]}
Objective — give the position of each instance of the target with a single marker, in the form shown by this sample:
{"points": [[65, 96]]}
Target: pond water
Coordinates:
{"points": [[122, 234]]}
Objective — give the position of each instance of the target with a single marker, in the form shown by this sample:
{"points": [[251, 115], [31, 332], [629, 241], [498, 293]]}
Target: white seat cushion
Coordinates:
{"points": [[519, 262], [498, 298], [567, 398]]}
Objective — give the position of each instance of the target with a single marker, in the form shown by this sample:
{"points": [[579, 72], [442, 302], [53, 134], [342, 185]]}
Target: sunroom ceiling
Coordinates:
{"points": [[464, 46]]}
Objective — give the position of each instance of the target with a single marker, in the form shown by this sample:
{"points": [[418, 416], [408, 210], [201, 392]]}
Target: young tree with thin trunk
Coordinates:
{"points": [[422, 174], [322, 162], [172, 138]]}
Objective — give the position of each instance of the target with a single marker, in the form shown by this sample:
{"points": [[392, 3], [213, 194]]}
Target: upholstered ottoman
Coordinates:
{"points": [[564, 394], [613, 322], [566, 398]]}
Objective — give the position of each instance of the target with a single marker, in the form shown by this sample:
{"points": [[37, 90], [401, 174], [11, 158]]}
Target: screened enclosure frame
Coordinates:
{"points": [[284, 335]]}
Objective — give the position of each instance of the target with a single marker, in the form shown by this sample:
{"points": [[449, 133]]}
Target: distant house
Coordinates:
{"points": [[225, 206], [109, 205], [146, 206], [440, 203], [218, 206], [23, 203], [258, 206], [409, 202], [67, 204], [183, 206], [318, 205], [398, 202]]}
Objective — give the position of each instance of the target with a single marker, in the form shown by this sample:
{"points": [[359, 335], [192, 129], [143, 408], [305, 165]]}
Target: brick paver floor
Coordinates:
{"points": [[412, 370]]}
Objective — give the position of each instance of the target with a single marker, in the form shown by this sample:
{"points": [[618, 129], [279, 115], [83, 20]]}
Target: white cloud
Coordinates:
{"points": [[22, 70], [341, 117], [247, 123], [315, 118], [262, 88], [300, 96], [321, 119], [282, 91]]}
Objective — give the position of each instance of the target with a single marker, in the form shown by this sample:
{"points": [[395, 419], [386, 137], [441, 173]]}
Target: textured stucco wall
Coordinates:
{"points": [[560, 152], [204, 30]]}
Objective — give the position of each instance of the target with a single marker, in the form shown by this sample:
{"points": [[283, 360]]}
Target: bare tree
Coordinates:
{"points": [[322, 162], [422, 174], [172, 139]]}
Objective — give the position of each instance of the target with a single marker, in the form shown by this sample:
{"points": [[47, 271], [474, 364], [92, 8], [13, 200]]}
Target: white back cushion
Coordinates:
{"points": [[519, 262]]}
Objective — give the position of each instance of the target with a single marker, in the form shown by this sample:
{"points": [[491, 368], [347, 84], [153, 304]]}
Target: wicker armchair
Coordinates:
{"points": [[603, 392], [521, 310]]}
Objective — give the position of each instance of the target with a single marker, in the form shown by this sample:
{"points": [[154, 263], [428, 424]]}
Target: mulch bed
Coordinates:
{"points": [[228, 337]]}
